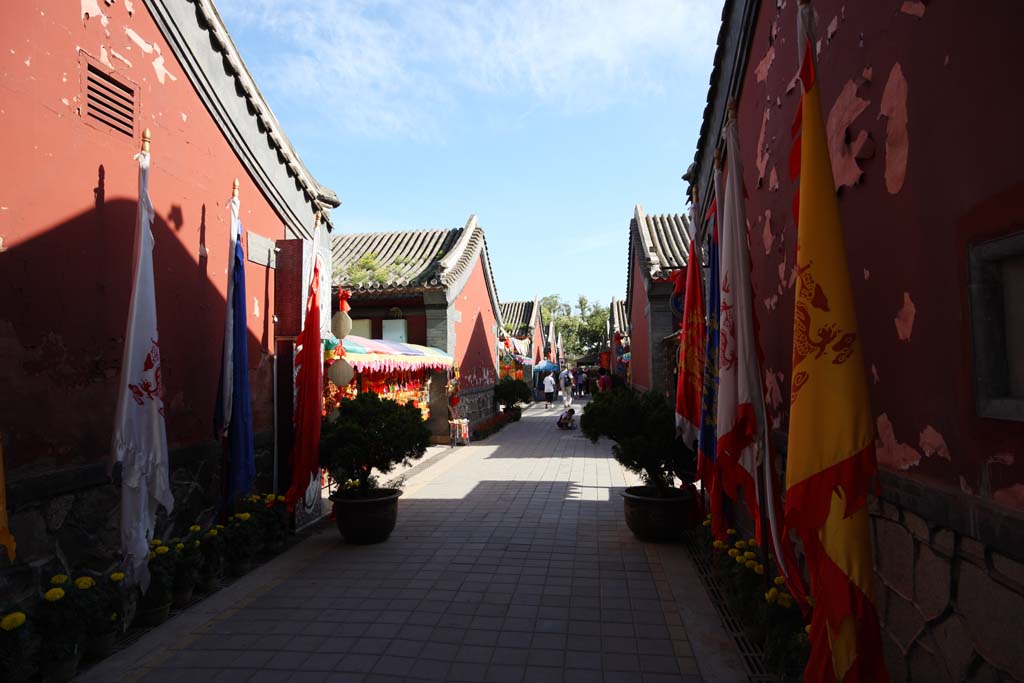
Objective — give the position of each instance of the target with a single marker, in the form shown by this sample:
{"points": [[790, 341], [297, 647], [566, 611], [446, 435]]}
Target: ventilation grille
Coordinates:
{"points": [[110, 103]]}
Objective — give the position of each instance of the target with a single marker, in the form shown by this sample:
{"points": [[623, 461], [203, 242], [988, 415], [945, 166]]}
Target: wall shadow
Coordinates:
{"points": [[62, 326]]}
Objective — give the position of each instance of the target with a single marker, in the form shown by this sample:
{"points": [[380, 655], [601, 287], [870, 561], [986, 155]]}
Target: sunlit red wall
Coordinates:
{"points": [[907, 230], [475, 338], [640, 335], [68, 196], [537, 342]]}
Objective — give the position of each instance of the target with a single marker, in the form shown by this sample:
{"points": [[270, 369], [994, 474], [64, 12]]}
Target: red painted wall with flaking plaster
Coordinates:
{"points": [[475, 337], [906, 241], [68, 195]]}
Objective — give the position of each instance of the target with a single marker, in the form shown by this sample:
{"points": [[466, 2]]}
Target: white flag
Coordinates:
{"points": [[140, 436], [740, 401]]}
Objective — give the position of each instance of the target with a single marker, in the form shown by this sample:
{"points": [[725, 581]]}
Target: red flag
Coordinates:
{"points": [[305, 455], [690, 380]]}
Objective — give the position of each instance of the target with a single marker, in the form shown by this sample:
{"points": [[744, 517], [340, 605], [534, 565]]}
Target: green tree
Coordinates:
{"points": [[583, 329]]}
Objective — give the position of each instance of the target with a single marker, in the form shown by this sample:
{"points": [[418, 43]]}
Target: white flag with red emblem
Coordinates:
{"points": [[140, 436]]}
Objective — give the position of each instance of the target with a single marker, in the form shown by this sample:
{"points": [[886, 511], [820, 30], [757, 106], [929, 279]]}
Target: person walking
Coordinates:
{"points": [[566, 388], [583, 383], [549, 390]]}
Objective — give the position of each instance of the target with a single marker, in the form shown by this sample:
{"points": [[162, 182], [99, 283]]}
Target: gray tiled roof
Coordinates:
{"points": [[518, 317], [618, 317], [661, 243], [412, 258]]}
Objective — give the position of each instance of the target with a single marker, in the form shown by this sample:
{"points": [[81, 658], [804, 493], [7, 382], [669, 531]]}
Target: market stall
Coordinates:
{"points": [[393, 370], [513, 359]]}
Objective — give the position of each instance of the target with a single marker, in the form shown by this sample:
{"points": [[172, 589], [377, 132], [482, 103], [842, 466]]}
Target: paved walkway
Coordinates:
{"points": [[510, 562]]}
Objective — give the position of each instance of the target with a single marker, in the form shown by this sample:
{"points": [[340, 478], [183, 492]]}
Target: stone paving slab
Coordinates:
{"points": [[511, 562]]}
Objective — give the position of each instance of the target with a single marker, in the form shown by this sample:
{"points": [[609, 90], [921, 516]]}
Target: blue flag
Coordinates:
{"points": [[233, 417]]}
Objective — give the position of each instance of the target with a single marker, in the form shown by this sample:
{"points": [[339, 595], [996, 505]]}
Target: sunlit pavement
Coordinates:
{"points": [[510, 562]]}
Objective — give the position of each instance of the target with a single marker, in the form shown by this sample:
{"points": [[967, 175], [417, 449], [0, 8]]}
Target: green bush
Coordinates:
{"points": [[643, 429], [509, 392], [369, 433]]}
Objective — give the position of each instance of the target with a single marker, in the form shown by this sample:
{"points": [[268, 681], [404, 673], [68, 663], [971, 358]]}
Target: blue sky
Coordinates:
{"points": [[549, 120]]}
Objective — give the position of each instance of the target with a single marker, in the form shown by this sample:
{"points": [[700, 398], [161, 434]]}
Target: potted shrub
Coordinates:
{"points": [[60, 631], [643, 429], [365, 434], [156, 601], [16, 662], [510, 393], [211, 547]]}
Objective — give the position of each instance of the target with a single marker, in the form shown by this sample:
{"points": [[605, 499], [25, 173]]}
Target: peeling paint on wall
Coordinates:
{"points": [[762, 152], [161, 71], [914, 8], [897, 140], [761, 72], [117, 55], [91, 9], [933, 443], [905, 318], [891, 452], [848, 106], [867, 274], [766, 234], [773, 180], [255, 307], [140, 42]]}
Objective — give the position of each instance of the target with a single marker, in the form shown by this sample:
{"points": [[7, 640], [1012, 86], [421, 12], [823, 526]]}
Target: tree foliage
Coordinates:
{"points": [[583, 327]]}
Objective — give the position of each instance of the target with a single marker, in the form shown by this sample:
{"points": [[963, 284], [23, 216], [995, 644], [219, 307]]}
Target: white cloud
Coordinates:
{"points": [[402, 66]]}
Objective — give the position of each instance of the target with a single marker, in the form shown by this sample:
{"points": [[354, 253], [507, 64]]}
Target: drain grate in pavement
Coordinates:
{"points": [[752, 655]]}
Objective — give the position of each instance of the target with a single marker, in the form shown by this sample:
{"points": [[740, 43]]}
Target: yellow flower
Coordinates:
{"points": [[194, 528], [750, 554], [84, 583], [772, 594], [752, 541], [12, 621], [807, 629], [195, 543], [733, 552], [750, 564], [244, 516], [780, 580], [741, 544], [58, 579], [179, 547], [211, 532], [784, 601], [759, 569], [117, 577], [707, 522], [151, 556], [740, 559], [220, 526], [731, 532], [280, 499], [270, 498], [162, 550], [54, 594], [155, 542], [718, 544]]}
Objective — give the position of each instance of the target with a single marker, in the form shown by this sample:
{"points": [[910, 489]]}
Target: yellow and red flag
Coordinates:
{"points": [[690, 379], [831, 459]]}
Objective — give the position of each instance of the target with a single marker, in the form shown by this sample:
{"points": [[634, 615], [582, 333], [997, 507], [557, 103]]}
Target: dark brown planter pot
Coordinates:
{"points": [[367, 520], [152, 616], [183, 596], [100, 646], [514, 412], [660, 519]]}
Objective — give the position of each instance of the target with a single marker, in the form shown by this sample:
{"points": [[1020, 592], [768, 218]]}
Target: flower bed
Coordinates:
{"points": [[79, 619], [770, 615], [490, 425]]}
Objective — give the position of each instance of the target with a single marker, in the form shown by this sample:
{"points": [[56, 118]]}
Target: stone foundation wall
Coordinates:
{"points": [[476, 404], [69, 521], [949, 585]]}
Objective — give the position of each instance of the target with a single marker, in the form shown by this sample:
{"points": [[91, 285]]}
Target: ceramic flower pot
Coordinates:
{"points": [[148, 616], [100, 646], [370, 519], [659, 518]]}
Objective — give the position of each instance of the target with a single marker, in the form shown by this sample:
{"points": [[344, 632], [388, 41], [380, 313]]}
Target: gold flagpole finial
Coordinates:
{"points": [[145, 141], [234, 189]]}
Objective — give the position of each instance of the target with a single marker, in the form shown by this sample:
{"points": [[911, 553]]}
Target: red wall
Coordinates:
{"points": [[963, 183], [67, 211], [640, 342], [475, 339], [537, 342]]}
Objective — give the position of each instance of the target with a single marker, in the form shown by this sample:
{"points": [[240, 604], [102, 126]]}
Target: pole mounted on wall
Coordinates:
{"points": [[145, 141], [234, 189]]}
